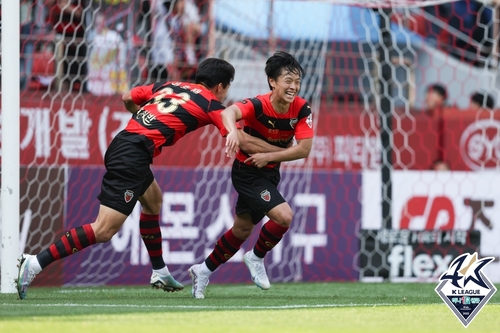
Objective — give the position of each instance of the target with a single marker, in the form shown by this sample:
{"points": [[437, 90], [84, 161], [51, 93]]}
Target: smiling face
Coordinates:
{"points": [[286, 87]]}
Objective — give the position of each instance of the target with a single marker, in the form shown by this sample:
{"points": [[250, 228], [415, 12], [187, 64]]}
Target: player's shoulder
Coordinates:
{"points": [[300, 103], [249, 101], [263, 100], [156, 87]]}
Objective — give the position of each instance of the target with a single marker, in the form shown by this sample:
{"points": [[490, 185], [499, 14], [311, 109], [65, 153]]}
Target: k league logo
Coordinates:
{"points": [[464, 288]]}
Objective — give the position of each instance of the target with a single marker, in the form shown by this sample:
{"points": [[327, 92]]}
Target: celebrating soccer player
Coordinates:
{"points": [[162, 113], [276, 117]]}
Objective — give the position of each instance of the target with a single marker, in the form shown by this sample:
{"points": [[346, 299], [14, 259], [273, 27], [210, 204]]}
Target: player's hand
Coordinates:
{"points": [[232, 144], [258, 160]]}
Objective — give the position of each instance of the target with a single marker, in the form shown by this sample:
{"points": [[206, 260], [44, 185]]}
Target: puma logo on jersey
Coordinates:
{"points": [[272, 123]]}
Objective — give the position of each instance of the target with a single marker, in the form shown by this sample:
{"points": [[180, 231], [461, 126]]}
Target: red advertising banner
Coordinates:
{"points": [[77, 131]]}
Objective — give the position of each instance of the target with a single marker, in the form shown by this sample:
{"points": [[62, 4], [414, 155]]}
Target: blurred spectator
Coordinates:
{"points": [[67, 18], [441, 165], [107, 57], [176, 25], [35, 37], [435, 99], [188, 13], [481, 100]]}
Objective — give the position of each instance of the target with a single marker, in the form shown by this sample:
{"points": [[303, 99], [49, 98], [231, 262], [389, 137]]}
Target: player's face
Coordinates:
{"points": [[286, 87]]}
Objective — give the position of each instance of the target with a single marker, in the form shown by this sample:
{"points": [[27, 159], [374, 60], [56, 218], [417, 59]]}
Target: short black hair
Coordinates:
{"points": [[439, 88], [483, 99], [280, 61], [213, 71]]}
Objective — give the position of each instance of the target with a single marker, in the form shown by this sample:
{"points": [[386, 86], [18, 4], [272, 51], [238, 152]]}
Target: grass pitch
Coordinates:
{"points": [[286, 307]]}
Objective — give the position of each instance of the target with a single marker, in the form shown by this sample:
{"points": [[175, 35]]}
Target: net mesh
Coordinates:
{"points": [[71, 109]]}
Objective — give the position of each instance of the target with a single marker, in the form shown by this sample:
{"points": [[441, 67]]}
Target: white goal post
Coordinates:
{"points": [[10, 145]]}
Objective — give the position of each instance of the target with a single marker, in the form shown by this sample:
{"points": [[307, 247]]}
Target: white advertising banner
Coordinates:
{"points": [[442, 200]]}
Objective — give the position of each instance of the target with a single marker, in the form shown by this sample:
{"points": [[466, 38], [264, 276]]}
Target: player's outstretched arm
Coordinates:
{"points": [[298, 151], [129, 103], [230, 116], [253, 145]]}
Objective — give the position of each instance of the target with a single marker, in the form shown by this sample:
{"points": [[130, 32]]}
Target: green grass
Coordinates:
{"points": [[286, 307]]}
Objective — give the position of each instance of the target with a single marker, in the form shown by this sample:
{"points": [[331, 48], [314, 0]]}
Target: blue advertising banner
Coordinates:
{"points": [[198, 207]]}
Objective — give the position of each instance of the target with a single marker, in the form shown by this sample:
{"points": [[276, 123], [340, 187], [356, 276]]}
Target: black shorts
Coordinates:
{"points": [[257, 190], [127, 177]]}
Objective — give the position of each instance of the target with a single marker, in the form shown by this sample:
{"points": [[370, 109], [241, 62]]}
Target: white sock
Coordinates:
{"points": [[163, 271], [254, 257], [204, 269], [34, 265]]}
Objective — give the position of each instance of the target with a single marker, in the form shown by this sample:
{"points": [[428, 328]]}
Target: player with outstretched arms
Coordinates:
{"points": [[162, 113], [276, 117]]}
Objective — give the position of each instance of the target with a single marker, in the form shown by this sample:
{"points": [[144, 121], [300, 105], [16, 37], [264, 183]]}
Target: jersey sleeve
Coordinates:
{"points": [[216, 119], [247, 109], [304, 128], [141, 94]]}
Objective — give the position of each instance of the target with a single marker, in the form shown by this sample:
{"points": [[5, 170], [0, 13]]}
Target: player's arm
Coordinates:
{"points": [[129, 103], [137, 96], [253, 145], [298, 151], [230, 116]]}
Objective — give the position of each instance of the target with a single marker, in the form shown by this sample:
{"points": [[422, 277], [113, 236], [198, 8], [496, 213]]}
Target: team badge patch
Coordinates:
{"points": [[265, 195], [128, 195], [464, 288], [309, 121], [293, 122]]}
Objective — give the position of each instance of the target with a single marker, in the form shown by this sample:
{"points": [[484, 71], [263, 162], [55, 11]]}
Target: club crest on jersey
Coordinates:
{"points": [[464, 287], [265, 195], [128, 195], [309, 121], [293, 122]]}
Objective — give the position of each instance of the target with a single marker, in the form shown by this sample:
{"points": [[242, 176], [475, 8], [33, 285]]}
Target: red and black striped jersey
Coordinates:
{"points": [[262, 121], [170, 110]]}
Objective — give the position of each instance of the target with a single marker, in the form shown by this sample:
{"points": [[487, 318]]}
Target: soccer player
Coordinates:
{"points": [[162, 113], [276, 117]]}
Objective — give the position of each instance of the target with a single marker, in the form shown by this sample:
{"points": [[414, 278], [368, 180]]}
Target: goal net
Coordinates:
{"points": [[367, 203]]}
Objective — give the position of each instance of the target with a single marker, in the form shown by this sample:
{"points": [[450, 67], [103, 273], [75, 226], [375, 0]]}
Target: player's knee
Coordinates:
{"points": [[103, 234], [103, 237], [155, 207], [285, 219], [242, 232]]}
